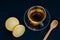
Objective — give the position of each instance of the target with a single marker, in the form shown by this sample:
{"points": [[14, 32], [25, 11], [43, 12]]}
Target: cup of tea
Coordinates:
{"points": [[36, 15]]}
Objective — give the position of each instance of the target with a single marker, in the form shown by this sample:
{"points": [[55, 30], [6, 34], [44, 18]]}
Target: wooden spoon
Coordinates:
{"points": [[52, 26]]}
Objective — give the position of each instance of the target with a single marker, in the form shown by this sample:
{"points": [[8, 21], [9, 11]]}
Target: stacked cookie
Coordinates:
{"points": [[12, 24]]}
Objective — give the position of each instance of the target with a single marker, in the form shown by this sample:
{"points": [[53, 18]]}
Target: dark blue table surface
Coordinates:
{"points": [[17, 9]]}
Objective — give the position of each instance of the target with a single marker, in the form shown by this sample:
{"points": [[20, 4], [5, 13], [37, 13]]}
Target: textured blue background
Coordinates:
{"points": [[17, 8]]}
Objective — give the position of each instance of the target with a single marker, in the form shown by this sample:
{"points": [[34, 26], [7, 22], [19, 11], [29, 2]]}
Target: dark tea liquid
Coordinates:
{"points": [[37, 16]]}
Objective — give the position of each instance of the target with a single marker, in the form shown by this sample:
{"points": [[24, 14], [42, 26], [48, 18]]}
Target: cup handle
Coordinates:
{"points": [[42, 24]]}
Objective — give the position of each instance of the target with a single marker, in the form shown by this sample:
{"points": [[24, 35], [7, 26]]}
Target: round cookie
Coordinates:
{"points": [[11, 23], [18, 31]]}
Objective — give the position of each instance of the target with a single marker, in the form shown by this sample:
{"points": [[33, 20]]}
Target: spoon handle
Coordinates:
{"points": [[46, 36]]}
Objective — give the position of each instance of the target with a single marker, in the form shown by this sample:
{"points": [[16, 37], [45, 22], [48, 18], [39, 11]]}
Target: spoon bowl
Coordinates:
{"points": [[54, 24]]}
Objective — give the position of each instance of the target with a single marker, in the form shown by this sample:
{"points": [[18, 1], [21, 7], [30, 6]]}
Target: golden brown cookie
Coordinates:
{"points": [[18, 31], [11, 23]]}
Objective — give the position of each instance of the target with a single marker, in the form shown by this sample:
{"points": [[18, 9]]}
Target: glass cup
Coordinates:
{"points": [[36, 15]]}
